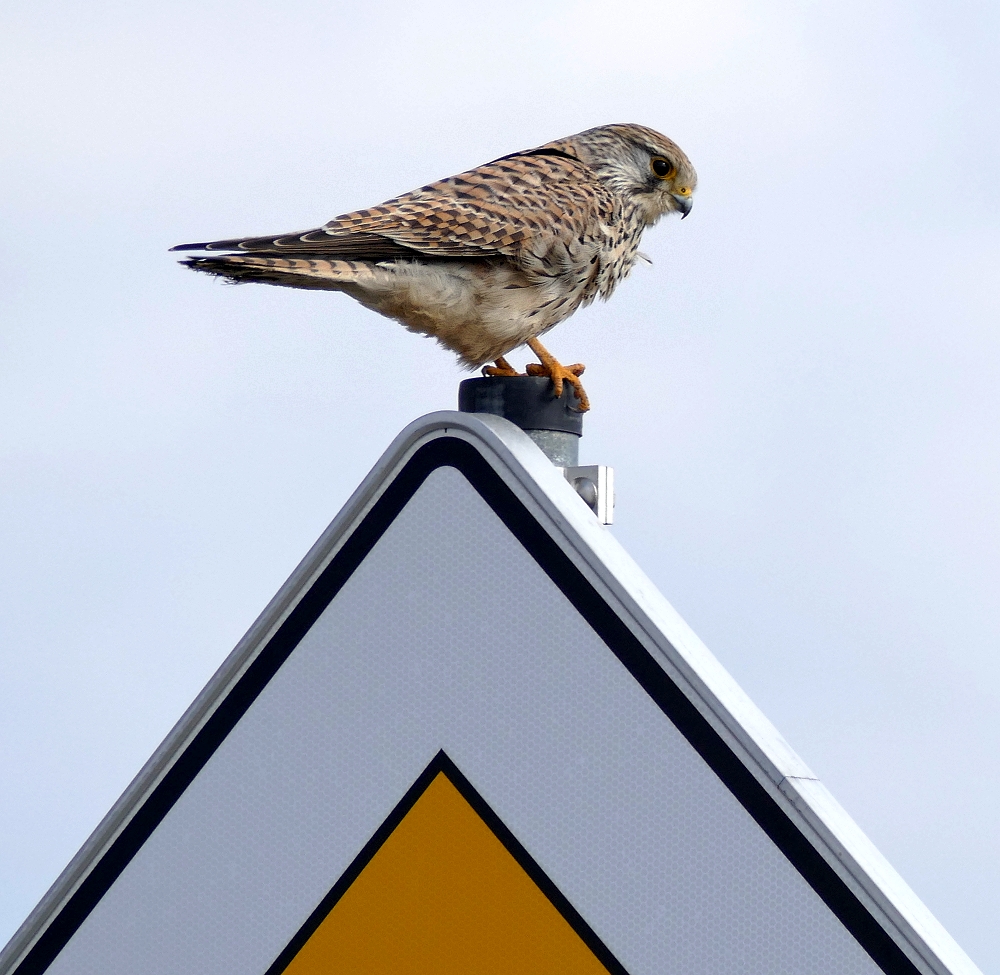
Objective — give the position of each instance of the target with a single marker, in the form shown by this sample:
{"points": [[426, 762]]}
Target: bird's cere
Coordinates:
{"points": [[488, 260]]}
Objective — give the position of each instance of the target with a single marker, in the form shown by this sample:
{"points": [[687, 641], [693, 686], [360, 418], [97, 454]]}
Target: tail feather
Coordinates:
{"points": [[303, 272]]}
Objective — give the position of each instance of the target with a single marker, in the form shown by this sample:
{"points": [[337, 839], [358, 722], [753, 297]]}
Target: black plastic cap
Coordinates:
{"points": [[527, 401]]}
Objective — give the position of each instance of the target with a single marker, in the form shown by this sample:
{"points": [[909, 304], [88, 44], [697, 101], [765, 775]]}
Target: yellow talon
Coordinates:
{"points": [[501, 368], [558, 373]]}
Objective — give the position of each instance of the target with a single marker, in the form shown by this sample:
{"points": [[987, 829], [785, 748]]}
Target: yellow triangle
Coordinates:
{"points": [[443, 896]]}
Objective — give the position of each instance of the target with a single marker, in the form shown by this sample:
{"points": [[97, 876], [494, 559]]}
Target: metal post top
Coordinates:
{"points": [[527, 401]]}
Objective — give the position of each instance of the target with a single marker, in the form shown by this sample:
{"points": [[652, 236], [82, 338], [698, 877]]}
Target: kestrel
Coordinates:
{"points": [[490, 259]]}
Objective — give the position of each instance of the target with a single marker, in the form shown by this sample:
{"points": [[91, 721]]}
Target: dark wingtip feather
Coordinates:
{"points": [[221, 245]]}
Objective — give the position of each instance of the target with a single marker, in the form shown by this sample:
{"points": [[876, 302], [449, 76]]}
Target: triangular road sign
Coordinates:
{"points": [[467, 605]]}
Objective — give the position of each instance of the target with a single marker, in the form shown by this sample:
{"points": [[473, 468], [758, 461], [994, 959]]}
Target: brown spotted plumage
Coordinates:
{"points": [[487, 260]]}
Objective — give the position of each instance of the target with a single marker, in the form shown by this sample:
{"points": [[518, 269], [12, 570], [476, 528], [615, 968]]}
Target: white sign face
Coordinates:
{"points": [[449, 746]]}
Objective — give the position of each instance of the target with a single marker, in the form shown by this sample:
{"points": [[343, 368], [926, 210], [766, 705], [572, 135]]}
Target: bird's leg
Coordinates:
{"points": [[501, 367], [558, 373]]}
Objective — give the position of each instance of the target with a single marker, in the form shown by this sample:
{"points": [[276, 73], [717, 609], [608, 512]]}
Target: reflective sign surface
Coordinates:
{"points": [[450, 635]]}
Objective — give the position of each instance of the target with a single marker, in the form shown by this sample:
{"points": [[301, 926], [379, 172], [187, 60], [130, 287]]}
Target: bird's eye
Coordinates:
{"points": [[662, 168]]}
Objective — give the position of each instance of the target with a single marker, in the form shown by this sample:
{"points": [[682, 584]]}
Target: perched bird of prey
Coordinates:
{"points": [[490, 259]]}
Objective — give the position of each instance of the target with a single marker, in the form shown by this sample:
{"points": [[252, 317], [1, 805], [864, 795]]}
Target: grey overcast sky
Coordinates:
{"points": [[800, 397]]}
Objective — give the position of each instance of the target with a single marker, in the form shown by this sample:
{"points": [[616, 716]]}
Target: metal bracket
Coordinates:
{"points": [[596, 486]]}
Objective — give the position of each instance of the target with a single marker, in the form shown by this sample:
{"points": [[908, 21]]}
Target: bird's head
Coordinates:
{"points": [[641, 166]]}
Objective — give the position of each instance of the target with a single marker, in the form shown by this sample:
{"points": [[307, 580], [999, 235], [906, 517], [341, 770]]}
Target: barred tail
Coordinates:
{"points": [[287, 271]]}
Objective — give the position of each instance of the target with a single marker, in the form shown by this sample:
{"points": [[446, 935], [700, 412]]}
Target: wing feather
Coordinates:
{"points": [[523, 202], [359, 246]]}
